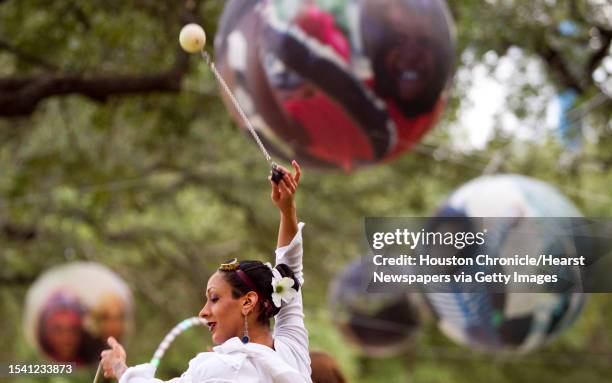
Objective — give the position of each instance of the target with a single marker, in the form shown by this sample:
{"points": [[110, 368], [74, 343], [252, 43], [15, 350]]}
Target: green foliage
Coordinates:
{"points": [[163, 187]]}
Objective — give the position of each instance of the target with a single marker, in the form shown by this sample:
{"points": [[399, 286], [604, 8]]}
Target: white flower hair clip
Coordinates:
{"points": [[282, 287]]}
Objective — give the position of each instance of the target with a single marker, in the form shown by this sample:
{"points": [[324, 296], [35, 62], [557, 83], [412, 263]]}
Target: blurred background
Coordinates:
{"points": [[124, 180]]}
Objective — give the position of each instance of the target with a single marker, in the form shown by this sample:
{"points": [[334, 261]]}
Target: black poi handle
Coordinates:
{"points": [[277, 175]]}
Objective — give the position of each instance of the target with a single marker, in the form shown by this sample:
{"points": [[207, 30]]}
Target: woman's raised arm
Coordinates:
{"points": [[283, 196]]}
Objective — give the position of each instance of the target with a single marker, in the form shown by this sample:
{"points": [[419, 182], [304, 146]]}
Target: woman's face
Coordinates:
{"points": [[110, 317], [411, 59], [222, 311], [63, 333]]}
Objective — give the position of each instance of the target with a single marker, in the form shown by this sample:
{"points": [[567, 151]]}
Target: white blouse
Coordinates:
{"points": [[234, 361]]}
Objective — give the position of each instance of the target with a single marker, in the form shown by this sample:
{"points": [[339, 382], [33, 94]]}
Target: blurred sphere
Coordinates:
{"points": [[510, 321], [338, 84], [192, 38], [72, 309], [379, 324]]}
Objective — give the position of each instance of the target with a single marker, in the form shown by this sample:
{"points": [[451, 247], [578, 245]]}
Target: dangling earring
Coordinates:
{"points": [[245, 336]]}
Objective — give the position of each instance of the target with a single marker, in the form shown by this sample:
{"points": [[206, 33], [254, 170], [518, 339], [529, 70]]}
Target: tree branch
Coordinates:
{"points": [[555, 61], [20, 96], [605, 33], [18, 233], [17, 279], [606, 36]]}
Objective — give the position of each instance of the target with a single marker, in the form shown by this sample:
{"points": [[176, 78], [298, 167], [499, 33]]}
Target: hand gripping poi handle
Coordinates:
{"points": [[176, 331], [277, 174]]}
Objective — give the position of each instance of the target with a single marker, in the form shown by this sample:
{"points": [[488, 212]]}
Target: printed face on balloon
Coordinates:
{"points": [[340, 84], [109, 317], [410, 46], [72, 309], [60, 329]]}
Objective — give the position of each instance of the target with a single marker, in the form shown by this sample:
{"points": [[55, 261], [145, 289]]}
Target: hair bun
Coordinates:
{"points": [[257, 277]]}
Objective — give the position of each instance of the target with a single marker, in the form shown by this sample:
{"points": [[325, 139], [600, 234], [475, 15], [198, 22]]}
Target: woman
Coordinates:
{"points": [[60, 329], [241, 299]]}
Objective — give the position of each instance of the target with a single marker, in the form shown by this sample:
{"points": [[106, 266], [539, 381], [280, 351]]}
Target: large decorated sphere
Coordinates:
{"points": [[379, 324], [338, 83], [72, 309], [511, 320]]}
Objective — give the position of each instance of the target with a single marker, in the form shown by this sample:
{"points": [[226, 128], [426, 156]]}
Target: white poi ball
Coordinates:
{"points": [[192, 38]]}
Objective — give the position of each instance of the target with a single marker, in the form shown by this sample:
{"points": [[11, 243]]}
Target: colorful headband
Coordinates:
{"points": [[247, 281]]}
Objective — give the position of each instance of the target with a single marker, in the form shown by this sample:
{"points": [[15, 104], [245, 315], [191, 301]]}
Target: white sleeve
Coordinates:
{"points": [[278, 369], [291, 255], [206, 367], [144, 373], [289, 322]]}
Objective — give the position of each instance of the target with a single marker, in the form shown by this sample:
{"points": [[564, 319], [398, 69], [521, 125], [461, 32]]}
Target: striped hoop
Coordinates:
{"points": [[176, 331]]}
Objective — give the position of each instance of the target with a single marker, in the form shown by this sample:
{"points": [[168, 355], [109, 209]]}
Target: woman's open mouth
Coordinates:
{"points": [[212, 326]]}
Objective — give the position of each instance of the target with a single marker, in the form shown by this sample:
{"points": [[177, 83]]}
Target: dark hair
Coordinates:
{"points": [[261, 276], [325, 369]]}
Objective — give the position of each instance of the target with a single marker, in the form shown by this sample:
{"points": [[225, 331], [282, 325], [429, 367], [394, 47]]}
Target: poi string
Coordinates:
{"points": [[193, 39], [98, 372], [169, 338], [277, 174]]}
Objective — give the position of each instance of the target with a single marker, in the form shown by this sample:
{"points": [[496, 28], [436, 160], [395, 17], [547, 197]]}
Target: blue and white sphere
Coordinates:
{"points": [[510, 321]]}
